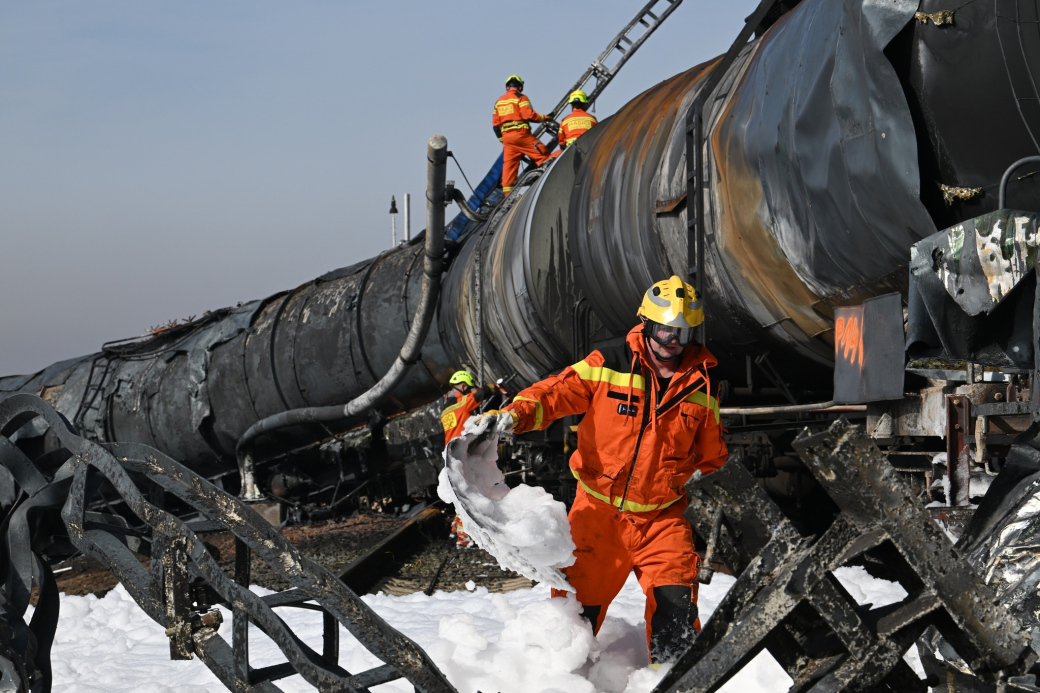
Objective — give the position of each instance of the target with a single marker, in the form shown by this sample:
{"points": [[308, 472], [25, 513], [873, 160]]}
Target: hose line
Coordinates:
{"points": [[436, 166], [819, 407]]}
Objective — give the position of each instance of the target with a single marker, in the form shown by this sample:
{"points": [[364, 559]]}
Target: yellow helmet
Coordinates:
{"points": [[673, 304], [515, 78], [578, 95], [462, 377]]}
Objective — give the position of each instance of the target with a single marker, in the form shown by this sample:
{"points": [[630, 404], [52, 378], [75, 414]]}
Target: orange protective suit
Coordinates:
{"points": [[454, 417], [575, 125], [657, 545], [632, 464], [510, 121]]}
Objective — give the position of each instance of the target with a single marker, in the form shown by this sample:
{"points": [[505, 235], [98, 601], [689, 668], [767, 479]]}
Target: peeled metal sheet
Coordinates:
{"points": [[1000, 541], [814, 175], [192, 390], [972, 291], [973, 94]]}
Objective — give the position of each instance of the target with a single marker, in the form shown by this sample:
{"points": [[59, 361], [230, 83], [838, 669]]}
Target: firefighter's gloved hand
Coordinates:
{"points": [[494, 422]]}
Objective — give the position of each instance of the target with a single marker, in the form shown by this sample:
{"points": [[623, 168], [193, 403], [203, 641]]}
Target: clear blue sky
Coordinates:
{"points": [[158, 159]]}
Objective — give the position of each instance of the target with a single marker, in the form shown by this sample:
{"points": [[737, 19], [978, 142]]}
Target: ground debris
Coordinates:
{"points": [[788, 601]]}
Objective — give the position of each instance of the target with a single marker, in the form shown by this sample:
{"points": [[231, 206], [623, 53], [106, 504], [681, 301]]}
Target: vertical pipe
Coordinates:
{"points": [[433, 265], [958, 471], [479, 317], [407, 217], [436, 170]]}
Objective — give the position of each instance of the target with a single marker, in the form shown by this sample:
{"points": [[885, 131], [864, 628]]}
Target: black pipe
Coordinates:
{"points": [[436, 160], [457, 196]]}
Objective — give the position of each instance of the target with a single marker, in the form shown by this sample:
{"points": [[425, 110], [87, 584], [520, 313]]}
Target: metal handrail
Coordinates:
{"points": [[1002, 199]]}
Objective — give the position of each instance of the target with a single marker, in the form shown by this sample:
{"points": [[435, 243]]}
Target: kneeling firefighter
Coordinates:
{"points": [[650, 423]]}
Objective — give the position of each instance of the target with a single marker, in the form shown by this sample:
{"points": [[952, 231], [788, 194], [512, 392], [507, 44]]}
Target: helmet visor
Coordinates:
{"points": [[663, 334]]}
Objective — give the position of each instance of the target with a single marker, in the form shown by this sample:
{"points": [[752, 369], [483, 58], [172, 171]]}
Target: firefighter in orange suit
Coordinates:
{"points": [[511, 122], [465, 398], [577, 123], [650, 423]]}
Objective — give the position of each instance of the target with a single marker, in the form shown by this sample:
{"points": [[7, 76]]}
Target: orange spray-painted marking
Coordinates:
{"points": [[848, 342]]}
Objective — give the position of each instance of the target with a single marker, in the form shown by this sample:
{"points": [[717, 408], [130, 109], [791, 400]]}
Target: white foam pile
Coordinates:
{"points": [[524, 528], [518, 642]]}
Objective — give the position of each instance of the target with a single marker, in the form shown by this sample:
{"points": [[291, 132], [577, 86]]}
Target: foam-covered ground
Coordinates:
{"points": [[520, 642]]}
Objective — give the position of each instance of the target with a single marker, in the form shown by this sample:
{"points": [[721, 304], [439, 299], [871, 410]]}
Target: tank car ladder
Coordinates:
{"points": [[88, 414], [604, 68]]}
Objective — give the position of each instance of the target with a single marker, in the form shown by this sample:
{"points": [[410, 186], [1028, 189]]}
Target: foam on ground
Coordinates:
{"points": [[517, 642]]}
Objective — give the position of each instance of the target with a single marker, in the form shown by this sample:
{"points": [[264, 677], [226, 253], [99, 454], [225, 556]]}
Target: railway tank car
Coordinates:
{"points": [[830, 141]]}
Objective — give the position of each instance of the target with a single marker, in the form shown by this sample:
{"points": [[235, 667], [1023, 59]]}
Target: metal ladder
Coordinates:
{"points": [[89, 411], [618, 51]]}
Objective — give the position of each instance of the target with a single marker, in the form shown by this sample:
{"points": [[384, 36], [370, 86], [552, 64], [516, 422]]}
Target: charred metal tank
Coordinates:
{"points": [[831, 140]]}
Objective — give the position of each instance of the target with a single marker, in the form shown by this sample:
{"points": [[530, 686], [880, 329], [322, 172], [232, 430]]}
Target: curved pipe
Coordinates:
{"points": [[1007, 177], [436, 166], [826, 407], [457, 196]]}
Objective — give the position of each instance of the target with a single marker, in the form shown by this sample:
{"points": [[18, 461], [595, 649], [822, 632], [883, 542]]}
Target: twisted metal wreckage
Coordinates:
{"points": [[799, 180]]}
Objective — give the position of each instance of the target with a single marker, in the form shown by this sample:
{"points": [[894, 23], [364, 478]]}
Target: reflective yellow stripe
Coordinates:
{"points": [[629, 506], [600, 374], [606, 375], [705, 400], [454, 406], [537, 410], [448, 418], [509, 101], [515, 125]]}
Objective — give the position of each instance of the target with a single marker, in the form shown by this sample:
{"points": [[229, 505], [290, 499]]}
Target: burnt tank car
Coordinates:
{"points": [[830, 142]]}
